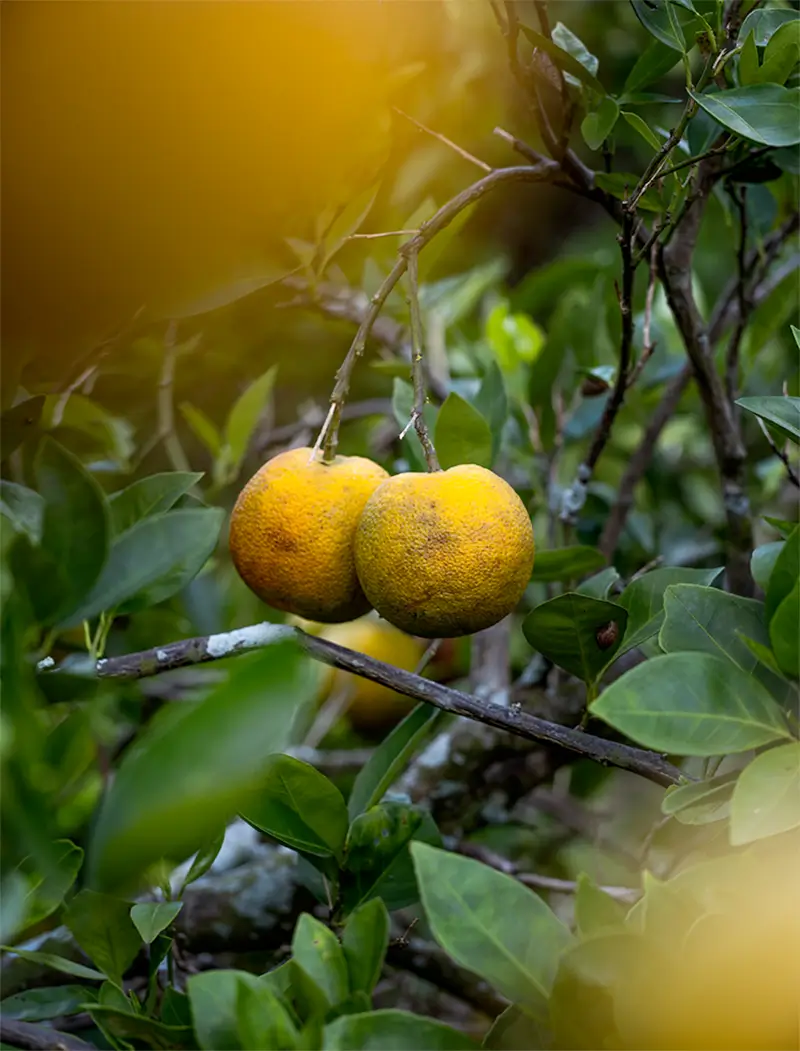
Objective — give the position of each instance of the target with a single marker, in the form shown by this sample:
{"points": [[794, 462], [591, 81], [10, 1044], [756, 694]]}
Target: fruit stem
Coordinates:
{"points": [[417, 368]]}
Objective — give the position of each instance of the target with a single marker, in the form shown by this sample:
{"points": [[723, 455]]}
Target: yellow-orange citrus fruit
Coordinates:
{"points": [[291, 533], [373, 707], [444, 554]]}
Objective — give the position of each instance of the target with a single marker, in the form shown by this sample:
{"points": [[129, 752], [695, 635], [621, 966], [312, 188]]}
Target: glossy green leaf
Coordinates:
{"points": [[600, 585], [642, 128], [243, 418], [569, 42], [149, 496], [75, 529], [214, 999], [764, 23], [491, 402], [566, 630], [102, 926], [567, 563], [691, 704], [784, 633], [748, 61], [316, 949], [261, 1019], [391, 1030], [763, 113], [387, 761], [597, 125], [46, 893], [766, 800], [490, 923], [187, 776], [595, 910], [38, 1005], [203, 860], [781, 55], [299, 806], [781, 413], [152, 561], [785, 574], [652, 64], [57, 963], [656, 20], [150, 918], [644, 600], [762, 562], [563, 59], [781, 525], [763, 654], [378, 863], [462, 434], [204, 429], [364, 940], [23, 507], [700, 803]]}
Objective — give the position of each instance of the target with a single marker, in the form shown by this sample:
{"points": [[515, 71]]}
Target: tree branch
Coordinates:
{"points": [[417, 367], [34, 1037], [214, 647]]}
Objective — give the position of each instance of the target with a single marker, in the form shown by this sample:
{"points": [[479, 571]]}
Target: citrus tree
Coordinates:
{"points": [[556, 792]]}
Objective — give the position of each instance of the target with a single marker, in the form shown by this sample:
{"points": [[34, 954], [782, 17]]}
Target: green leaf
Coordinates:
{"points": [[654, 62], [764, 113], [748, 62], [152, 561], [75, 529], [622, 184], [112, 435], [46, 893], [572, 44], [490, 923], [38, 1005], [784, 633], [348, 222], [204, 429], [708, 620], [23, 507], [149, 496], [699, 804], [20, 422], [781, 525], [763, 24], [567, 563], [364, 940], [402, 406], [214, 999], [516, 1030], [642, 128], [656, 20], [225, 295], [782, 54], [766, 800], [242, 420], [762, 562], [188, 776], [594, 909], [462, 434], [513, 337], [58, 963], [125, 1025], [565, 630], [261, 1019], [387, 761], [763, 654], [644, 600], [691, 704], [378, 863], [392, 1030], [150, 918], [316, 949], [600, 585], [782, 413], [563, 59], [785, 574], [103, 928], [491, 402], [299, 806], [598, 125], [203, 860]]}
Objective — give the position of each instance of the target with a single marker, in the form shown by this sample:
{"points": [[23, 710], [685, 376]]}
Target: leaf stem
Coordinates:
{"points": [[417, 366]]}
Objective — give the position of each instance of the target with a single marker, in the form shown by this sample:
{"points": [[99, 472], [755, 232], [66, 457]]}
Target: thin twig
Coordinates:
{"points": [[383, 233], [447, 142], [216, 647], [732, 355], [430, 652], [780, 453], [334, 707], [648, 346], [417, 366]]}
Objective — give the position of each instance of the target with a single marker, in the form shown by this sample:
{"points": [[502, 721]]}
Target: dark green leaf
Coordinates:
{"points": [[491, 402], [203, 860], [782, 54], [764, 23], [764, 113], [299, 806], [242, 420], [595, 910], [58, 963], [149, 496], [18, 423], [572, 44], [150, 918], [782, 413], [159, 806], [384, 765], [567, 563], [37, 1005], [691, 704], [748, 62], [701, 803], [393, 1031], [784, 633], [655, 18], [766, 800], [762, 562], [598, 125], [563, 59], [316, 949], [567, 630], [516, 1030], [364, 940], [654, 62], [152, 561], [762, 653], [785, 574], [103, 928], [75, 528], [600, 585], [644, 600], [490, 923], [23, 507], [214, 999], [642, 128], [462, 434], [46, 893], [781, 525], [622, 184], [125, 1024]]}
